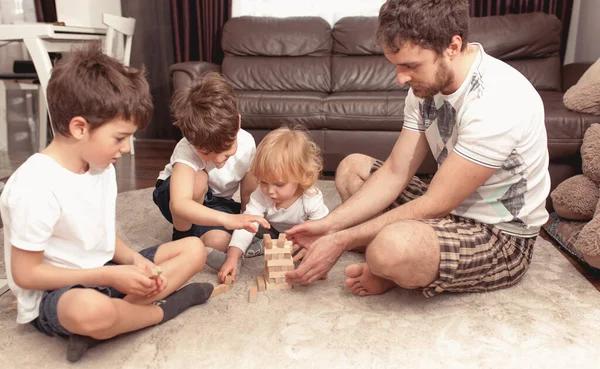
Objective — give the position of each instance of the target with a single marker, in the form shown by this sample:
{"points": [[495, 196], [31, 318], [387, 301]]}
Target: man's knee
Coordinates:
{"points": [[86, 312], [388, 250], [352, 171], [402, 244]]}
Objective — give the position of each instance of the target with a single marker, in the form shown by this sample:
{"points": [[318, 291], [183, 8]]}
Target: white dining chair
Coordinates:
{"points": [[116, 47]]}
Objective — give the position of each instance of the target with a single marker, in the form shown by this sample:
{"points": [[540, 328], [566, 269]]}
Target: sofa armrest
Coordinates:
{"points": [[571, 73], [183, 73]]}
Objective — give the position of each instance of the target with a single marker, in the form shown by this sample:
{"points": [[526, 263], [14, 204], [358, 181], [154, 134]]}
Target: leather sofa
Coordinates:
{"points": [[337, 82]]}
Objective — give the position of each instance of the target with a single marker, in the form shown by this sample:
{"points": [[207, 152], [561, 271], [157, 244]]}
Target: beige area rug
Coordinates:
{"points": [[550, 320]]}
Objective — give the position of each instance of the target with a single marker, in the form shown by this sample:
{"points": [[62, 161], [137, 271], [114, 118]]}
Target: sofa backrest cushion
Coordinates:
{"points": [[277, 54], [529, 42], [358, 63]]}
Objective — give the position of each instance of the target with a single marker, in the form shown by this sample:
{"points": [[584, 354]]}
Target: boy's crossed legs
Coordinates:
{"points": [[102, 312]]}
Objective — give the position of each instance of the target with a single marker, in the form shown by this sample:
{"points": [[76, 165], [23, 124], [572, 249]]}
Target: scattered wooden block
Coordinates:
{"points": [[260, 282], [219, 289], [228, 280], [14, 305], [253, 295]]}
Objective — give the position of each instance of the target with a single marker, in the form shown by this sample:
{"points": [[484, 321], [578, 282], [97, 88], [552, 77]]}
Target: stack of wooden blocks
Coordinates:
{"points": [[278, 261]]}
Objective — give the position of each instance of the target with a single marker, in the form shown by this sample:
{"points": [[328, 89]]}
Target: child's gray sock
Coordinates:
{"points": [[188, 296], [78, 346], [255, 248], [215, 258]]}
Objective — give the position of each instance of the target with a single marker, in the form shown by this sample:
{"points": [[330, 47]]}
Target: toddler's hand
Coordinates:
{"points": [[229, 267]]}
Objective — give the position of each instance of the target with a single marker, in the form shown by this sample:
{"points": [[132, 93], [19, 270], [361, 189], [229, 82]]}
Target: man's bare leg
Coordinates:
{"points": [[352, 173], [405, 254]]}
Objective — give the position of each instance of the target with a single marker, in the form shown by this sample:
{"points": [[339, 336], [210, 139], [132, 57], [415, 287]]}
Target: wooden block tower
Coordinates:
{"points": [[278, 261]]}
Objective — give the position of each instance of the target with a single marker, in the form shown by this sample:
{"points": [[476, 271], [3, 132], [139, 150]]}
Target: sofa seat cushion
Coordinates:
{"points": [[371, 111], [565, 127], [270, 110]]}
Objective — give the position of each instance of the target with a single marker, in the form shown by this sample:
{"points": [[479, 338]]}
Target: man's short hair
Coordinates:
{"points": [[430, 24], [206, 112], [92, 85]]}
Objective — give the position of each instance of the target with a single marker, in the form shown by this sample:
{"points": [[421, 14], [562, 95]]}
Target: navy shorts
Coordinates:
{"points": [[47, 320], [162, 198]]}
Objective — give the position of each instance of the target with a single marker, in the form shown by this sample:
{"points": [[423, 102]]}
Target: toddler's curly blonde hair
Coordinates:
{"points": [[288, 154]]}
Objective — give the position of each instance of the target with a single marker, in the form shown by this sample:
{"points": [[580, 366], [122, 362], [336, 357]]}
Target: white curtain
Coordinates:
{"points": [[330, 10]]}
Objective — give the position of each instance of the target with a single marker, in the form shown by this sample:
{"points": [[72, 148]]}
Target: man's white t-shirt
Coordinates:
{"points": [[495, 119], [224, 181], [68, 216], [309, 206]]}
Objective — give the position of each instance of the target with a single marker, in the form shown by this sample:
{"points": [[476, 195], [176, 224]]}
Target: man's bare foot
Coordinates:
{"points": [[362, 282]]}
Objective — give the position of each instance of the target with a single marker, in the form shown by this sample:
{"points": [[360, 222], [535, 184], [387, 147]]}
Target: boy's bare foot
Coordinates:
{"points": [[362, 282]]}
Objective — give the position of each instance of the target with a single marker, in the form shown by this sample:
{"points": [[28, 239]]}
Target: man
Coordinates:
{"points": [[473, 228]]}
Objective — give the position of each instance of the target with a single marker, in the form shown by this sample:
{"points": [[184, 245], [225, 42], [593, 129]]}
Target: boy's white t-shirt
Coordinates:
{"points": [[495, 119], [68, 216], [224, 181], [309, 206]]}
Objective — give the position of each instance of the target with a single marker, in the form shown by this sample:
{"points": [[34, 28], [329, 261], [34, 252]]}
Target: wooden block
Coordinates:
{"points": [[14, 305], [155, 272], [288, 244], [277, 251], [281, 240], [219, 289], [228, 280], [271, 280], [284, 262], [260, 282], [253, 294], [280, 280], [281, 286], [288, 256], [267, 241]]}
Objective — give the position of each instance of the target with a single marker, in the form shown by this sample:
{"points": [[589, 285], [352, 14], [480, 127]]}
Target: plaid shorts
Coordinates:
{"points": [[475, 257]]}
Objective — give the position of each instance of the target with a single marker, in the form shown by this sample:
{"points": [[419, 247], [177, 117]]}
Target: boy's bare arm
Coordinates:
{"points": [[183, 204], [248, 185], [30, 273], [124, 255]]}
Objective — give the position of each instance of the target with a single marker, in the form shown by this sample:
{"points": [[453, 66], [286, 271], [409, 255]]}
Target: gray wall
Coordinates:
{"points": [[584, 34]]}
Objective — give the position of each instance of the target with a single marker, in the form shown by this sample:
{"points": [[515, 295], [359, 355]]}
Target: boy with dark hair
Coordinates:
{"points": [[72, 275], [212, 160]]}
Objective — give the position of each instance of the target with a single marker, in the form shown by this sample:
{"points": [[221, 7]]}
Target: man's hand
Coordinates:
{"points": [[318, 261], [245, 221], [307, 233]]}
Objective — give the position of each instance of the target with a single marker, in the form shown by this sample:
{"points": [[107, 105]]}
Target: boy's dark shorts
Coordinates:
{"points": [[47, 320], [162, 198]]}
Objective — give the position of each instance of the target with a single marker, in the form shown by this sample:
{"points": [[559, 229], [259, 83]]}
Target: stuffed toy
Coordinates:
{"points": [[577, 198], [584, 96]]}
